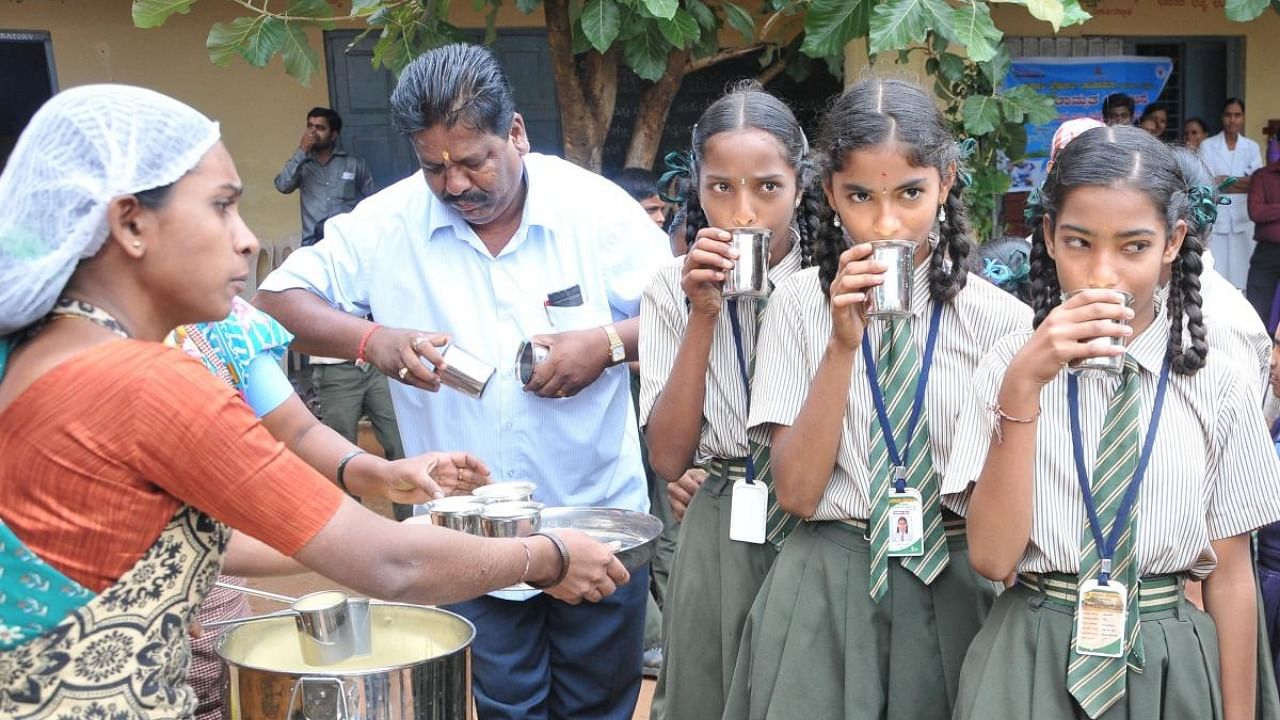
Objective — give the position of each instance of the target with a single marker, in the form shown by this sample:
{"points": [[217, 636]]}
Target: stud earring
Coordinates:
{"points": [[137, 244], [837, 221], [942, 214]]}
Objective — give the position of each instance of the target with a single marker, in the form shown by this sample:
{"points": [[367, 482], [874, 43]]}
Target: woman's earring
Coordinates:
{"points": [[137, 244], [942, 214], [837, 221]]}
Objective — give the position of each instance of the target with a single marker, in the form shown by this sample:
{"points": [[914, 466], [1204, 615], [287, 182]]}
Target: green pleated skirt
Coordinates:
{"points": [[713, 582], [815, 645], [1017, 665]]}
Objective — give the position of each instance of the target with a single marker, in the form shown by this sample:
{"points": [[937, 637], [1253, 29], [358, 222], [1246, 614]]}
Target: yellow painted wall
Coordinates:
{"points": [[262, 111]]}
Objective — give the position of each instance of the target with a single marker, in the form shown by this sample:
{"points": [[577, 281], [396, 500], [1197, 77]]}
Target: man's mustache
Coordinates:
{"points": [[471, 197]]}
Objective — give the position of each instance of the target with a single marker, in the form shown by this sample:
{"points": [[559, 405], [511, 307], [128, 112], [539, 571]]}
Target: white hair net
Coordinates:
{"points": [[82, 149]]}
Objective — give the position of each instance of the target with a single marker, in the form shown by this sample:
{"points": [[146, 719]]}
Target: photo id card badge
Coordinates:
{"points": [[748, 512], [1100, 616], [906, 524]]}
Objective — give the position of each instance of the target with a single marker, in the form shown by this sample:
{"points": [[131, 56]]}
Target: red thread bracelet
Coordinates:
{"points": [[365, 341]]}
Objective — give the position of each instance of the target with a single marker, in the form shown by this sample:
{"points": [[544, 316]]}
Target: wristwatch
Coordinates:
{"points": [[617, 352]]}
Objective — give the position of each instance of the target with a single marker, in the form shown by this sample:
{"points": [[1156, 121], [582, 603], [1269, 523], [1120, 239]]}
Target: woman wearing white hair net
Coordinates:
{"points": [[122, 461]]}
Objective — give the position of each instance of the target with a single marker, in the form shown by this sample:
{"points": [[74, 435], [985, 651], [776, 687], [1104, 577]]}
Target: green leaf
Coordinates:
{"points": [[300, 60], [664, 9], [318, 10], [974, 30], [152, 13], [259, 46], [700, 12], [952, 67], [224, 39], [1050, 11], [998, 67], [1038, 109], [1073, 14], [981, 114], [255, 39], [740, 20], [647, 53], [600, 23], [365, 7], [900, 24], [681, 29], [831, 24], [1237, 10]]}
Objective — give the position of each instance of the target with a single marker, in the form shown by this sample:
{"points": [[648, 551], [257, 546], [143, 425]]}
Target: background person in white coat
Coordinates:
{"points": [[1231, 154]]}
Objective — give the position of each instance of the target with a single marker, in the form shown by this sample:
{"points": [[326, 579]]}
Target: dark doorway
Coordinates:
{"points": [[807, 98], [27, 80]]}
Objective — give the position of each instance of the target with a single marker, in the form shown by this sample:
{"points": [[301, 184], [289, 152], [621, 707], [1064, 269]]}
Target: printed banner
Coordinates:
{"points": [[1078, 87]]}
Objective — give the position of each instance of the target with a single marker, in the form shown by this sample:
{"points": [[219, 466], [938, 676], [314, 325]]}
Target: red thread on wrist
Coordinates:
{"points": [[365, 341]]}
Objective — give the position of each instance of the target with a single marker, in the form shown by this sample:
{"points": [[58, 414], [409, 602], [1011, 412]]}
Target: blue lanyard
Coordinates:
{"points": [[898, 459], [742, 370], [1107, 545]]}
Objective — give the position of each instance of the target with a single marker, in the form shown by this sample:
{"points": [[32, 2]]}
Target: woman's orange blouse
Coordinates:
{"points": [[98, 454]]}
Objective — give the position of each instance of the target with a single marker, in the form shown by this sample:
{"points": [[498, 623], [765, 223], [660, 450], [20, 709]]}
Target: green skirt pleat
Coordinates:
{"points": [[713, 582], [1017, 665], [816, 646]]}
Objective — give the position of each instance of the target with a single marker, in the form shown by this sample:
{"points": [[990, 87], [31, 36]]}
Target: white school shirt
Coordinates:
{"points": [[664, 317], [1214, 473], [1232, 327], [415, 263], [797, 326]]}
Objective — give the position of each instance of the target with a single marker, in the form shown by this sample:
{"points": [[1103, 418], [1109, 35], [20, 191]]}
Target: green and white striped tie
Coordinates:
{"points": [[898, 366], [1098, 682]]}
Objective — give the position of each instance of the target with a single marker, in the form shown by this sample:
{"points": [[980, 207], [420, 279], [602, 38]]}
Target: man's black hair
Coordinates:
{"points": [[639, 183], [451, 85], [335, 120]]}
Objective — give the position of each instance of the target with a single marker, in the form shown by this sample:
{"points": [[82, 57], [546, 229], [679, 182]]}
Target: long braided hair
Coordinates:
{"points": [[749, 105], [1127, 157], [870, 113]]}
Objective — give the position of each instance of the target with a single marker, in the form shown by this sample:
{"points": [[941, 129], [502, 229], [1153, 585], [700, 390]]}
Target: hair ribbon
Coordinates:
{"points": [[678, 165]]}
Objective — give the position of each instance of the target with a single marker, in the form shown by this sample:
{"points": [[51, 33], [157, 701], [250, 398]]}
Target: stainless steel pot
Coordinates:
{"points": [[418, 669]]}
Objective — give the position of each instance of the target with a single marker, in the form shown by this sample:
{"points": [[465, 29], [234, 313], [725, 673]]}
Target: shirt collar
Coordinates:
{"points": [[538, 206], [1151, 347], [788, 265], [920, 288]]}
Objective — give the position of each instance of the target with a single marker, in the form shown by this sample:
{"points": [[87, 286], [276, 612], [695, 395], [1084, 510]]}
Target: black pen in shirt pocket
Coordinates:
{"points": [[566, 311], [568, 297]]}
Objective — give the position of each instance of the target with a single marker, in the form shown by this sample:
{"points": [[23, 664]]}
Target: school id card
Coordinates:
{"points": [[906, 524], [1100, 618]]}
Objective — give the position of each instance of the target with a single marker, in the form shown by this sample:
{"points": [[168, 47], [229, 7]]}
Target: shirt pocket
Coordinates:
{"points": [[347, 186]]}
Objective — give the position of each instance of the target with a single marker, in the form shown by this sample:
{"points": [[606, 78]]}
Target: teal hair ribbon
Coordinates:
{"points": [[1034, 208], [1001, 273], [964, 150], [1203, 203], [679, 165]]}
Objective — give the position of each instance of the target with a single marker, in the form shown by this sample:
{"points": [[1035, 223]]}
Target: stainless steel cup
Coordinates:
{"points": [[465, 372], [457, 512], [892, 298], [750, 274], [530, 355], [1105, 365], [325, 632], [510, 519], [514, 491]]}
